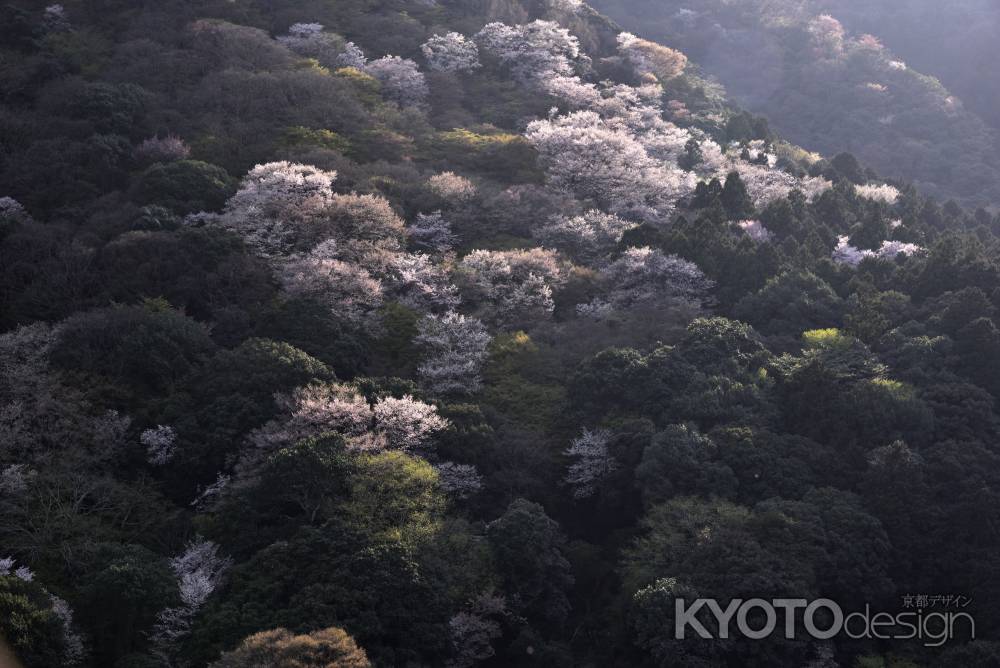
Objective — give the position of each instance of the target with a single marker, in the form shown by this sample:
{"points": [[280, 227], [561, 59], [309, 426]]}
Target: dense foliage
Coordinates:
{"points": [[461, 333]]}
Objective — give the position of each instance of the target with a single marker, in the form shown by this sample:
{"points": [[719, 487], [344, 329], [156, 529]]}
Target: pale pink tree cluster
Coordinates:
{"points": [[210, 493], [714, 160], [585, 155], [452, 187], [416, 281], [275, 202], [651, 58], [314, 410], [760, 152], [534, 51], [474, 630], [765, 184], [639, 111], [8, 569], [451, 52], [401, 79], [644, 275], [454, 349], [869, 42], [346, 288], [352, 56], [827, 35], [199, 571], [564, 7], [891, 248], [41, 418], [401, 424], [406, 423], [56, 19], [162, 149], [588, 237], [755, 230], [878, 192], [431, 232], [592, 462], [458, 480], [571, 91], [512, 284], [341, 250], [160, 444], [15, 478], [847, 254], [310, 41], [360, 223], [11, 209], [74, 651]]}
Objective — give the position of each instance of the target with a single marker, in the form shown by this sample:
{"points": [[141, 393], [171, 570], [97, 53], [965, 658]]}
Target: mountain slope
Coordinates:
{"points": [[461, 333], [830, 90]]}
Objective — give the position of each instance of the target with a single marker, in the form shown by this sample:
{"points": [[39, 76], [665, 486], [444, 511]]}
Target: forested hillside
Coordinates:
{"points": [[463, 333], [954, 41], [831, 86]]}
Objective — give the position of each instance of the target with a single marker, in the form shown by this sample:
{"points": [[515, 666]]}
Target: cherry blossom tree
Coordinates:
{"points": [[352, 56], [765, 184], [406, 423], [533, 51], [879, 192], [199, 571], [891, 248], [454, 349], [358, 223], [346, 288], [593, 462], [56, 19], [7, 569], [583, 154], [827, 35], [207, 496], [160, 444], [11, 209], [452, 187], [431, 232], [318, 409], [451, 52], [638, 110], [651, 58], [588, 237], [459, 480], [309, 40], [275, 200], [15, 478], [401, 79], [755, 230], [567, 7], [847, 254], [571, 91], [313, 410], [420, 284], [512, 284], [74, 651], [474, 630], [642, 276], [162, 149]]}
